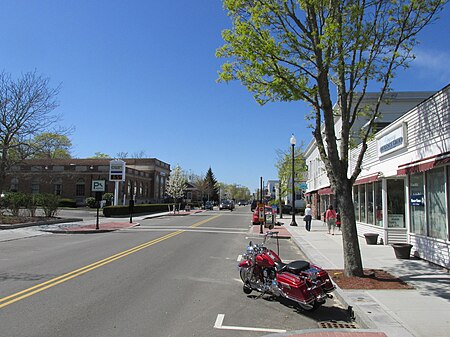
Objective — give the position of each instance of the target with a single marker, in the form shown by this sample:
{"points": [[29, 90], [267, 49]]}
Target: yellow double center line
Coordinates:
{"points": [[5, 301]]}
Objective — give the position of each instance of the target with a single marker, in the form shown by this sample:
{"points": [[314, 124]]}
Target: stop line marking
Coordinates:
{"points": [[221, 317]]}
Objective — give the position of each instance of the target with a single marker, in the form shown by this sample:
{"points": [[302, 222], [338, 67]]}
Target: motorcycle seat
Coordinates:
{"points": [[296, 267]]}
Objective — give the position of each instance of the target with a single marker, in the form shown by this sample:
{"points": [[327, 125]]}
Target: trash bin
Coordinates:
{"points": [[402, 250], [371, 238]]}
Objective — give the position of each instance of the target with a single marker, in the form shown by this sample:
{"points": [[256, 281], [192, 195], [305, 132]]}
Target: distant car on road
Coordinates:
{"points": [[226, 204], [242, 203], [209, 205]]}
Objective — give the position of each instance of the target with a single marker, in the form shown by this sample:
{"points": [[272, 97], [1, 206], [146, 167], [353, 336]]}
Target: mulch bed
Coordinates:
{"points": [[12, 220], [372, 279]]}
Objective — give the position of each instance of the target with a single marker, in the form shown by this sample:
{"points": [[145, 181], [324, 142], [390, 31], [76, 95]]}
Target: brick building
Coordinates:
{"points": [[72, 178]]}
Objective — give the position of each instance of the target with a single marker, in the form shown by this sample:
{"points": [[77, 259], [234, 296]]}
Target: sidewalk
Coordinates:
{"points": [[423, 311]]}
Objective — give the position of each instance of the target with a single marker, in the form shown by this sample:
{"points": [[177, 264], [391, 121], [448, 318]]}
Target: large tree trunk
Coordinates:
{"points": [[352, 254], [3, 166]]}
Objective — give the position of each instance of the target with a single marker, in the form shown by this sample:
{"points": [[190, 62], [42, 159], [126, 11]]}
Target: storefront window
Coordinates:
{"points": [[370, 214], [396, 203], [362, 203], [378, 204], [356, 202], [436, 204], [417, 204], [323, 205]]}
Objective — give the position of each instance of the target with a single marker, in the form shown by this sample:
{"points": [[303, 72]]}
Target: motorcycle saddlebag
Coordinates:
{"points": [[294, 287], [315, 272]]}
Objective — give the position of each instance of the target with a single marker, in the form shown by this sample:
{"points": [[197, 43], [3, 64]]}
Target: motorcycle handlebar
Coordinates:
{"points": [[269, 234]]}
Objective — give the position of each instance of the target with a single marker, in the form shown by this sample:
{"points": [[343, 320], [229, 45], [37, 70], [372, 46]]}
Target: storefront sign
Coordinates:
{"points": [[116, 170], [392, 141], [416, 200], [396, 221]]}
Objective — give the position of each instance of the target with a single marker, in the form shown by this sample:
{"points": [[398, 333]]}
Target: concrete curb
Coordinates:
{"points": [[358, 315], [39, 223], [366, 311], [88, 231], [326, 332]]}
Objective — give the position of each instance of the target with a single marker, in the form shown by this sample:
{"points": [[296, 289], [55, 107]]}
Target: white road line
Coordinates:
{"points": [[239, 259], [220, 318]]}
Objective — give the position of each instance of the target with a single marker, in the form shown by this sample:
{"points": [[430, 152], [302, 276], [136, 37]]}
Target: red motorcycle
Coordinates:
{"points": [[300, 281]]}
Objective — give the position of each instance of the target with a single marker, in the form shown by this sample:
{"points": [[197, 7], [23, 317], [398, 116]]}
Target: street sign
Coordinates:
{"points": [[98, 185], [116, 170], [261, 214]]}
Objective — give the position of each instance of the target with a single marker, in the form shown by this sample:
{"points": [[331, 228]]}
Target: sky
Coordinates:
{"points": [[141, 76]]}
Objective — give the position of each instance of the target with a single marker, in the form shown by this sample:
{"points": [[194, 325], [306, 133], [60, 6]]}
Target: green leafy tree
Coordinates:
{"points": [[284, 167], [291, 50], [176, 184], [242, 193], [52, 146], [100, 155], [235, 192], [202, 186]]}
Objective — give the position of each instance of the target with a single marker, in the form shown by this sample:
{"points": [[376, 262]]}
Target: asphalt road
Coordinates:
{"points": [[171, 276]]}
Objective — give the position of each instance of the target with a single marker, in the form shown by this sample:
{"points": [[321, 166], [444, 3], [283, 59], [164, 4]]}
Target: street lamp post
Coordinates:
{"points": [[293, 141]]}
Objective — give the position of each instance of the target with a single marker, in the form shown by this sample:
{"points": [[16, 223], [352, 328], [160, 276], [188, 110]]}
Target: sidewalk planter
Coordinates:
{"points": [[402, 250], [371, 238]]}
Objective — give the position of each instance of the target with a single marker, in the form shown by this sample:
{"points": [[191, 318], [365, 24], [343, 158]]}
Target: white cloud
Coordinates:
{"points": [[432, 63]]}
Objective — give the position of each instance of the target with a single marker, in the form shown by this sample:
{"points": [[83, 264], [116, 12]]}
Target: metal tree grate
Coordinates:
{"points": [[337, 325]]}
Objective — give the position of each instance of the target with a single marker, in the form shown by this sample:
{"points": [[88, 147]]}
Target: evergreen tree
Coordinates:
{"points": [[212, 189]]}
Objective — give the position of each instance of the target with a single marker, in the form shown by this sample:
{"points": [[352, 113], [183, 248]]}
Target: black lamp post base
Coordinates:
{"points": [[293, 223]]}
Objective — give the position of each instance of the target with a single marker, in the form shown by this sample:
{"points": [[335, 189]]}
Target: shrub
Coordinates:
{"points": [[14, 201], [67, 203], [108, 197], [31, 204], [91, 202], [49, 203]]}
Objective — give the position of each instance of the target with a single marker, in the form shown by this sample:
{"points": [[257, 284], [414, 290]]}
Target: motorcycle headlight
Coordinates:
{"points": [[249, 250]]}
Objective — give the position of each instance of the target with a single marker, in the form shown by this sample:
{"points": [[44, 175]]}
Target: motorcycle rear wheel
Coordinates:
{"points": [[310, 307]]}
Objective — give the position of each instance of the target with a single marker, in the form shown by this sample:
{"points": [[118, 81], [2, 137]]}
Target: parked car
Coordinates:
{"points": [[209, 205], [226, 204], [269, 214]]}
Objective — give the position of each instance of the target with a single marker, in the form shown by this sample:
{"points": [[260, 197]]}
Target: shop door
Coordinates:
{"points": [[396, 203]]}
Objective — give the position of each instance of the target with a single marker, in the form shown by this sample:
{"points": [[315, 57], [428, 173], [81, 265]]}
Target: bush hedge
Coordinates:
{"points": [[65, 202], [14, 201], [142, 208]]}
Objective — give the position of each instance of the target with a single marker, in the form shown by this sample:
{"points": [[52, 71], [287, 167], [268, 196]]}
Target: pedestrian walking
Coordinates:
{"points": [[308, 217], [338, 220], [330, 218]]}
